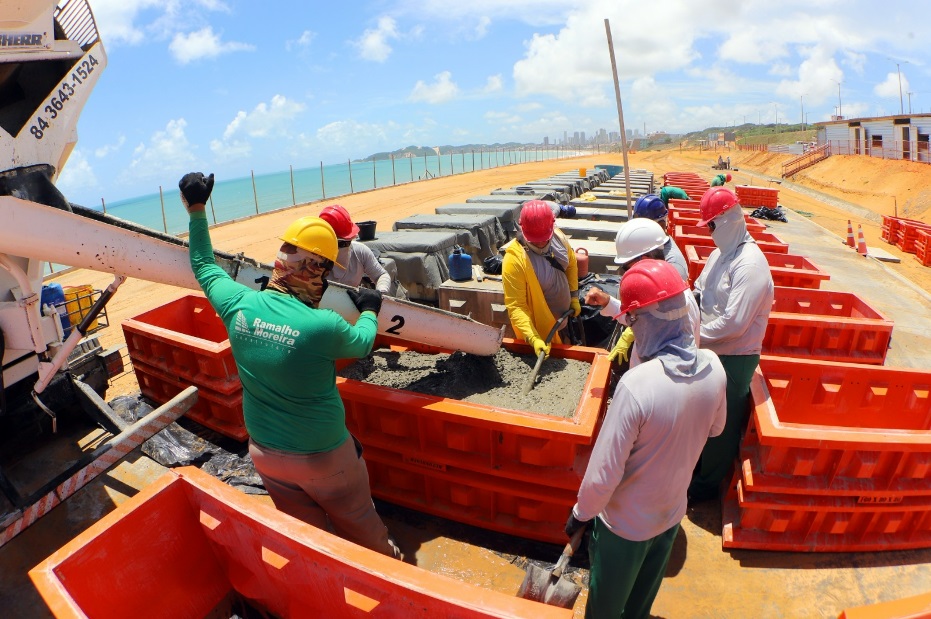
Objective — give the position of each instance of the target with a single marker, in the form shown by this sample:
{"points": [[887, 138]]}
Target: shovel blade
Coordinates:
{"points": [[540, 586]]}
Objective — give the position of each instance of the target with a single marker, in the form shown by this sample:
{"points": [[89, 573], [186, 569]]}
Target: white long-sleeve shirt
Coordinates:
{"points": [[653, 435], [736, 289], [359, 260]]}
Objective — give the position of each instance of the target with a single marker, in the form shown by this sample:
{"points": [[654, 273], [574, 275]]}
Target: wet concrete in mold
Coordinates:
{"points": [[496, 381]]}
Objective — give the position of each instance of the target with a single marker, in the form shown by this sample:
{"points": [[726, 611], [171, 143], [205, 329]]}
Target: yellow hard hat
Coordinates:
{"points": [[314, 235]]}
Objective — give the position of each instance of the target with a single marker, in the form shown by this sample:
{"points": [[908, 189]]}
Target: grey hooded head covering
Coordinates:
{"points": [[663, 331]]}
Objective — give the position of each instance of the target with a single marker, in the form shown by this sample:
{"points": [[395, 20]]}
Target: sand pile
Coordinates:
{"points": [[496, 381]]}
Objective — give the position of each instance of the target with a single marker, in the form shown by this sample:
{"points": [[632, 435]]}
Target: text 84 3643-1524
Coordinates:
{"points": [[66, 90]]}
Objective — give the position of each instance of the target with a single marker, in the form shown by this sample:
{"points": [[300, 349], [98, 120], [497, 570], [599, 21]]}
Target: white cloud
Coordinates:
{"points": [[203, 43], [502, 117], [77, 174], [106, 149], [481, 29], [267, 120], [302, 42], [889, 88], [373, 44], [443, 89], [494, 84], [168, 151], [116, 20]]}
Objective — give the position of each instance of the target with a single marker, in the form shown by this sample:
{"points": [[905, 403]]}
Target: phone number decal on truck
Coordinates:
{"points": [[57, 102]]}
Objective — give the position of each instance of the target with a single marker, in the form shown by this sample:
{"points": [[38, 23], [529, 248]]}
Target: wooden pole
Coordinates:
{"points": [[620, 116]]}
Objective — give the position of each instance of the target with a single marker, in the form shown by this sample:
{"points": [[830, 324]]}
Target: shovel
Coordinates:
{"points": [[549, 338], [551, 586]]}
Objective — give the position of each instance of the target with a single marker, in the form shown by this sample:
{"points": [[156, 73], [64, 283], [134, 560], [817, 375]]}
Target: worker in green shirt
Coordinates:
{"points": [[285, 348], [720, 179], [676, 193]]}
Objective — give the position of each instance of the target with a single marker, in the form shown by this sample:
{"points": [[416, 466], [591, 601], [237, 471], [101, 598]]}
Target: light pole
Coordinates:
{"points": [[840, 110], [801, 100], [901, 103]]}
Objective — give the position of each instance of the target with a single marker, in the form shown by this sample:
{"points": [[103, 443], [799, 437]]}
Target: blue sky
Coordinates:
{"points": [[233, 86]]}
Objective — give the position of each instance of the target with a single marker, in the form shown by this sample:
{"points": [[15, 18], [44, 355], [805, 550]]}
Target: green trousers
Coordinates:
{"points": [[720, 451], [625, 576]]}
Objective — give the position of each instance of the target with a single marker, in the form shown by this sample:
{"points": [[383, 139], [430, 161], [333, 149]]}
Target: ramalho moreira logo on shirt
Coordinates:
{"points": [[266, 331]]}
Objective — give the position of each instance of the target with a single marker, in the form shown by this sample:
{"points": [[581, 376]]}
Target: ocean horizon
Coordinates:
{"points": [[248, 196], [252, 195]]}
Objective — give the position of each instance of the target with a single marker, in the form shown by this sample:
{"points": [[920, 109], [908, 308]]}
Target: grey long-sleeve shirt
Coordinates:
{"points": [[357, 261], [653, 435]]}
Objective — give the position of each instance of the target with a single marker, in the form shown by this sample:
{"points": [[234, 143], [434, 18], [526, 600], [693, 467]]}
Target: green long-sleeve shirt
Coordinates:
{"points": [[718, 180], [669, 191], [285, 353]]}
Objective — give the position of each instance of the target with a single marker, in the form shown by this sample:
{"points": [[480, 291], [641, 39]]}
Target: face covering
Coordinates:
{"points": [[663, 331], [301, 274], [730, 230]]}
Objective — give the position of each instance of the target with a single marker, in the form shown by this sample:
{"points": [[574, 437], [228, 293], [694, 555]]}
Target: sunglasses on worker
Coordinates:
{"points": [[711, 225], [343, 242]]}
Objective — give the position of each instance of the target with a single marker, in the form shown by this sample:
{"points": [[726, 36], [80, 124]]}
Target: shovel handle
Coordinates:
{"points": [[567, 553]]}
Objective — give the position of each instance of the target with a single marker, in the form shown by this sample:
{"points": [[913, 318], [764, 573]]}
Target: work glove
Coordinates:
{"points": [[540, 346], [195, 188], [365, 299], [621, 350], [574, 524], [576, 306]]}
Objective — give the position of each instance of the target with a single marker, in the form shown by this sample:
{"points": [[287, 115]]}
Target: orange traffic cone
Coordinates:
{"points": [[861, 242], [850, 242]]}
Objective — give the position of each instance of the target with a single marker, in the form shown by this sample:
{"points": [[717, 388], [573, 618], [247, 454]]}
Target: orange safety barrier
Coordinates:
{"points": [[913, 607], [828, 325], [489, 466], [188, 546], [700, 235], [906, 234], [757, 196], [923, 247], [836, 457], [753, 225], [787, 270], [891, 225], [184, 343]]}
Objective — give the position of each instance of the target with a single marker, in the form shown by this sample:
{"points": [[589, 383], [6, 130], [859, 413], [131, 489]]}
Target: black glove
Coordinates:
{"points": [[195, 188], [365, 299], [574, 524]]}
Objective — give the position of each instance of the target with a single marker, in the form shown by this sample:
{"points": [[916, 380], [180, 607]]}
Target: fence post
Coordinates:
{"points": [[104, 205], [255, 194], [394, 179], [351, 188], [322, 186], [161, 199], [293, 199], [374, 180], [439, 164], [411, 160]]}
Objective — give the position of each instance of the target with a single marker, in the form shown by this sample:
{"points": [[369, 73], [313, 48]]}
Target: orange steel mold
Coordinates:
{"points": [[757, 196], [787, 270], [493, 467], [188, 542], [184, 343], [700, 235], [836, 458], [828, 325], [914, 607]]}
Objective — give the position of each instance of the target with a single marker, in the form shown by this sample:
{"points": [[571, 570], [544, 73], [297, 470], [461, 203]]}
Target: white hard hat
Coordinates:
{"points": [[637, 237]]}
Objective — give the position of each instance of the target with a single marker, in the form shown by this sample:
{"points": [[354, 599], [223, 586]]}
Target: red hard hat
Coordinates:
{"points": [[648, 282], [728, 177], [339, 218], [536, 221], [714, 202]]}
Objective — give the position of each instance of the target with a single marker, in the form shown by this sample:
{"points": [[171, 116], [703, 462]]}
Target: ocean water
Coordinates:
{"points": [[243, 197]]}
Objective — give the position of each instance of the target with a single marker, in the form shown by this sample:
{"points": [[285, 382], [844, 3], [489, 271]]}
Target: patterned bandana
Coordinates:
{"points": [[300, 273]]}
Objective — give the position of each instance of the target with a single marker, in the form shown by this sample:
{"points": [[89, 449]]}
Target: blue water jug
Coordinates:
{"points": [[460, 265], [54, 295]]}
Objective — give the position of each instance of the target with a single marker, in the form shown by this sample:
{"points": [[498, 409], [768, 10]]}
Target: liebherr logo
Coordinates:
{"points": [[266, 331]]}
